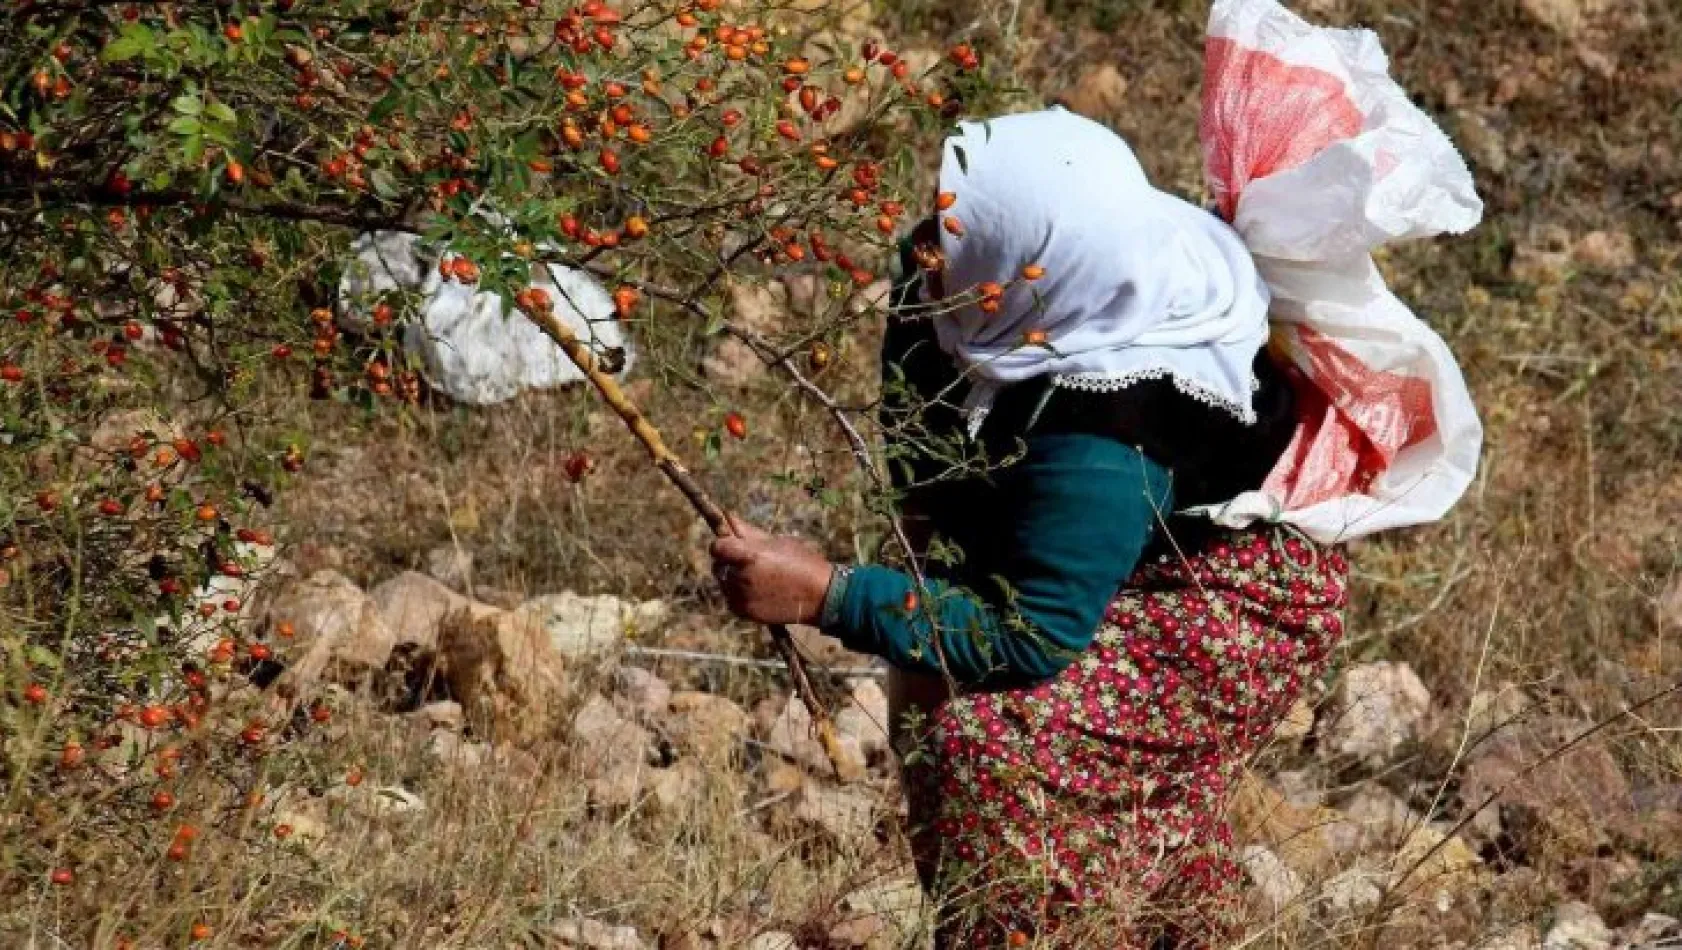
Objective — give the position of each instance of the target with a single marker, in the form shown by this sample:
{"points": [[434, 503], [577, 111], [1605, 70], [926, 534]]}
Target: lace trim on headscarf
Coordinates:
{"points": [[1115, 382]]}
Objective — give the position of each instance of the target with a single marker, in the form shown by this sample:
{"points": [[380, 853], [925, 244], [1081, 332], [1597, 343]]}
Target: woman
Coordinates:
{"points": [[1126, 603], [1112, 664]]}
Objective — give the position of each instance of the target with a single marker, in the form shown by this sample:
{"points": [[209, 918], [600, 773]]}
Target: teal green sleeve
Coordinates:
{"points": [[1077, 513]]}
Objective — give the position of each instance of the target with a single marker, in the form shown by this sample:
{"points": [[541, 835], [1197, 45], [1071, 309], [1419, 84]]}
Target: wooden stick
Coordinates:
{"points": [[672, 467]]}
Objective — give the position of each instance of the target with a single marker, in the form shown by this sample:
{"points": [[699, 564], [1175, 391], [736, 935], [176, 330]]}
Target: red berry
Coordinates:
{"points": [[578, 465], [63, 877], [736, 425], [35, 694]]}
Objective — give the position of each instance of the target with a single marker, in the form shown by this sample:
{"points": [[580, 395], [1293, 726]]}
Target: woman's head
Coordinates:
{"points": [[1131, 282]]}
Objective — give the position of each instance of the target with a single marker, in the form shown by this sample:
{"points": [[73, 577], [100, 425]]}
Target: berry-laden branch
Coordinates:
{"points": [[540, 310]]}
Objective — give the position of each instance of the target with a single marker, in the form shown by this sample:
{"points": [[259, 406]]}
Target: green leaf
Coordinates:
{"points": [[385, 107], [186, 125], [188, 105], [963, 160], [221, 113], [383, 183], [127, 47]]}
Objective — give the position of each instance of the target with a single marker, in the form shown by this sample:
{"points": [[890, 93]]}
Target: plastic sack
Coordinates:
{"points": [[468, 348], [1316, 156]]}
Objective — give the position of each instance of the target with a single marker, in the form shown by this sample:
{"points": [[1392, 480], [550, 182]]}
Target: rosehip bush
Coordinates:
{"points": [[179, 183]]}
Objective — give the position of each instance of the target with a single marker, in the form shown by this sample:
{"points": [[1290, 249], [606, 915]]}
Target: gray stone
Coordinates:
{"points": [[1380, 706], [1576, 926]]}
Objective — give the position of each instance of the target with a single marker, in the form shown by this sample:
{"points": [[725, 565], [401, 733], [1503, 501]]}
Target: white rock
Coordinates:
{"points": [[706, 725], [579, 625], [1522, 937], [1483, 144], [451, 750], [847, 815], [1605, 250], [503, 670], [1353, 891], [386, 803], [1297, 724], [451, 565], [586, 934], [793, 734], [414, 606], [602, 737], [640, 692], [1652, 929], [1277, 884], [1577, 927], [444, 714], [1563, 16], [1381, 706], [893, 906], [864, 719], [338, 630]]}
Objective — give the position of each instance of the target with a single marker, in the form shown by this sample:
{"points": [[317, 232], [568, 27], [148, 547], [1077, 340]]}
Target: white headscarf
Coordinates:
{"points": [[1138, 284]]}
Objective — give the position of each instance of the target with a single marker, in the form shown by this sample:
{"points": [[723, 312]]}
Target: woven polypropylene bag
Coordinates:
{"points": [[1317, 157]]}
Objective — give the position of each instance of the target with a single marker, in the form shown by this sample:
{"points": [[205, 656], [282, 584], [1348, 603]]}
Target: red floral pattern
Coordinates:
{"points": [[1087, 811]]}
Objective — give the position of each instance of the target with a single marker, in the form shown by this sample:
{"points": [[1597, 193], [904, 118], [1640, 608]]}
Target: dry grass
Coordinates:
{"points": [[1548, 576]]}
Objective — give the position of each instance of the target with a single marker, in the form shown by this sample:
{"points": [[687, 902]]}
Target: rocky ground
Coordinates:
{"points": [[1362, 816]]}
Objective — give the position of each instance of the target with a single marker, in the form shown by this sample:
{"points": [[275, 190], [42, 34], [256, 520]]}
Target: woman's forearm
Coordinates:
{"points": [[947, 629]]}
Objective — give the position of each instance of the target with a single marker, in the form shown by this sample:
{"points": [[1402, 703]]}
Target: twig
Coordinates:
{"points": [[1523, 774], [852, 672], [672, 467]]}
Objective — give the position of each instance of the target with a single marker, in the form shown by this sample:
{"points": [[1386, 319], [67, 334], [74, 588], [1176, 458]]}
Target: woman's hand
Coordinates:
{"points": [[771, 578]]}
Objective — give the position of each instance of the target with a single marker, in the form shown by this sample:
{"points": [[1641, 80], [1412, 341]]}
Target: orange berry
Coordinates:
{"points": [[1033, 272], [207, 512], [201, 932], [636, 227], [797, 67], [944, 200], [1034, 338], [911, 601], [953, 226], [163, 801], [625, 300]]}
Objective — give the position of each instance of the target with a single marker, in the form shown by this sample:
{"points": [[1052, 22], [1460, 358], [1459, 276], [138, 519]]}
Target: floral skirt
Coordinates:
{"points": [[1087, 811]]}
